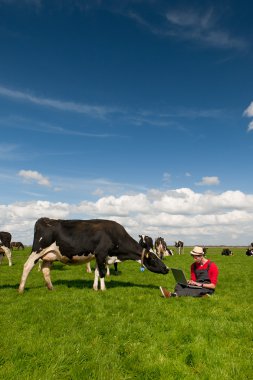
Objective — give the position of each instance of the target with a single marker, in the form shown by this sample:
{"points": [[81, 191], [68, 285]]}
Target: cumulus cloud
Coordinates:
{"points": [[202, 218], [208, 181], [30, 175], [249, 112]]}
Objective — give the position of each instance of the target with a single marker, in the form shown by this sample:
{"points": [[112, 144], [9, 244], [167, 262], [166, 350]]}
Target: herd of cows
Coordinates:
{"points": [[81, 241]]}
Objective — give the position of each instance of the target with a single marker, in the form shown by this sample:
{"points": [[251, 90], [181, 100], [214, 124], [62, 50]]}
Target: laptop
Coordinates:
{"points": [[180, 278]]}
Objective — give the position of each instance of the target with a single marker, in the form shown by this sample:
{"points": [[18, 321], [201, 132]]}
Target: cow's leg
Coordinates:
{"points": [[39, 265], [1, 257], [46, 265], [88, 268], [8, 255], [28, 266], [107, 270], [96, 279]]}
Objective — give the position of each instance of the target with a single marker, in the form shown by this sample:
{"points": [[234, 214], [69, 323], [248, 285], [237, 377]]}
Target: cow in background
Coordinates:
{"points": [[17, 244], [146, 242], [161, 248], [5, 241], [227, 252], [180, 246], [205, 250], [249, 251], [81, 241]]}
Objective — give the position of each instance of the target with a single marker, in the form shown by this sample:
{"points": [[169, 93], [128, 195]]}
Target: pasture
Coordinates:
{"points": [[129, 331]]}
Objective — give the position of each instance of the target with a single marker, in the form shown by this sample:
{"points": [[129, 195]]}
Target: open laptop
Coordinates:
{"points": [[180, 278]]}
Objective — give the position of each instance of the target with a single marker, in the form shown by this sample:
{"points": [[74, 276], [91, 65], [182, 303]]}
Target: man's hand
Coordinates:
{"points": [[191, 282]]}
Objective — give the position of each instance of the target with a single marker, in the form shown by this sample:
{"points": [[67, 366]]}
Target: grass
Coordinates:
{"points": [[129, 331]]}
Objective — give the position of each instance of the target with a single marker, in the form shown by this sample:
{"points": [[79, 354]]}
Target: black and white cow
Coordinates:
{"points": [[180, 246], [227, 252], [249, 251], [5, 241], [146, 242], [161, 248], [79, 242], [17, 244]]}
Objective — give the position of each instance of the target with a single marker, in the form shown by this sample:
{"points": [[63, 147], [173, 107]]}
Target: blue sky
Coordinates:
{"points": [[136, 111]]}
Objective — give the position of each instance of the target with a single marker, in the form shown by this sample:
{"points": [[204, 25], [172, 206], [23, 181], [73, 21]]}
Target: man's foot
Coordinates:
{"points": [[165, 292]]}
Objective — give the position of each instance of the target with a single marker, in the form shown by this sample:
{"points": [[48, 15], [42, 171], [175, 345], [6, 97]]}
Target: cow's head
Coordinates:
{"points": [[152, 262]]}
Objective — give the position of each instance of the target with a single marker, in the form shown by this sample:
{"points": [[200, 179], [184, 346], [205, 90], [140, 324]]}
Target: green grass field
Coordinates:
{"points": [[129, 331]]}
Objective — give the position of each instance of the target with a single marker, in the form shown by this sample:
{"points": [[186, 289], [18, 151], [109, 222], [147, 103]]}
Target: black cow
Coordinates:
{"points": [[227, 252], [146, 242], [161, 248], [5, 241], [80, 241], [180, 246]]}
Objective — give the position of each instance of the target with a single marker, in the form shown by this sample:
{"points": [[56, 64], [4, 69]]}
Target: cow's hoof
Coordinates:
{"points": [[96, 289]]}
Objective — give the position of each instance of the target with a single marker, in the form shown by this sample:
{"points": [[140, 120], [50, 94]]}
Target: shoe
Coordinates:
{"points": [[165, 292]]}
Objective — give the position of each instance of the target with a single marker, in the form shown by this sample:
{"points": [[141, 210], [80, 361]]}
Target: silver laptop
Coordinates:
{"points": [[180, 278]]}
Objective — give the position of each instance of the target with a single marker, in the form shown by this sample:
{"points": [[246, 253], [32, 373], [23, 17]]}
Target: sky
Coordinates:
{"points": [[135, 111]]}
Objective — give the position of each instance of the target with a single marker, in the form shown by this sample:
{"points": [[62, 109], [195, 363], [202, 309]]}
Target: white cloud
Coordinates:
{"points": [[94, 111], [250, 126], [249, 110], [190, 24], [30, 175], [208, 181], [249, 113], [225, 218]]}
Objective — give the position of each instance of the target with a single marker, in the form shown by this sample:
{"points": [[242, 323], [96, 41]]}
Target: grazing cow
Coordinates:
{"points": [[180, 246], [79, 242], [161, 248], [5, 240], [17, 244], [227, 252], [205, 250], [249, 251], [146, 242]]}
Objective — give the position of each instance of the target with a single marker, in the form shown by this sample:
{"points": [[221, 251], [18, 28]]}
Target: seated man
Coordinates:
{"points": [[204, 274]]}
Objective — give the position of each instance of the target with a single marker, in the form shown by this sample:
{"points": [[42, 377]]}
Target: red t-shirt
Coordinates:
{"points": [[212, 272]]}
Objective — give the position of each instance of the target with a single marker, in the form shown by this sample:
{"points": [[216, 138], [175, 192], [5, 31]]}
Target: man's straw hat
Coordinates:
{"points": [[197, 251]]}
